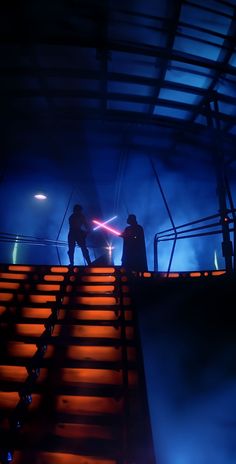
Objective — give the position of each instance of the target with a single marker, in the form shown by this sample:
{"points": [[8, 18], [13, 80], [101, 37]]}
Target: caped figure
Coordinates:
{"points": [[78, 230], [134, 250]]}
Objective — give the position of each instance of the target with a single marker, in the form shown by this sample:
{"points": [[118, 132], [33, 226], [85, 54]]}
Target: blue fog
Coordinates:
{"points": [[109, 176]]}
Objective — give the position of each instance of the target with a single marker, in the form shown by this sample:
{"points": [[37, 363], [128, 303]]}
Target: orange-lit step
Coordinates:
{"points": [[48, 287], [34, 298], [16, 350], [21, 268], [13, 276], [71, 429], [103, 289], [91, 314], [8, 400], [72, 376], [99, 278], [9, 285], [67, 430], [13, 374], [95, 332], [91, 288], [99, 353], [59, 269], [88, 405], [32, 312], [76, 331], [99, 270], [95, 300], [6, 296], [67, 376], [3, 310], [29, 330], [96, 377], [22, 297], [59, 458], [90, 300], [53, 278]]}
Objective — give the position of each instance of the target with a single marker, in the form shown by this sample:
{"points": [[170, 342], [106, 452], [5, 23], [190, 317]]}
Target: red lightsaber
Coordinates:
{"points": [[105, 222], [113, 231]]}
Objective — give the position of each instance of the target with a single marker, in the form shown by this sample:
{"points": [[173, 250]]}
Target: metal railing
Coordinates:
{"points": [[206, 226], [50, 249]]}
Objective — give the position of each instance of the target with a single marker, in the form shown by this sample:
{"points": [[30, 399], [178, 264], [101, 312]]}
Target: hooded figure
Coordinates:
{"points": [[134, 250]]}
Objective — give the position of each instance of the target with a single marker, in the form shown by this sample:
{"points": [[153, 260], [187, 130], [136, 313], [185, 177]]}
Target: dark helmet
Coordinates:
{"points": [[131, 219], [77, 208]]}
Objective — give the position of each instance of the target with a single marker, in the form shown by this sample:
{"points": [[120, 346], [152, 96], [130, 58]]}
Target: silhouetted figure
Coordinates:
{"points": [[79, 228], [134, 250]]}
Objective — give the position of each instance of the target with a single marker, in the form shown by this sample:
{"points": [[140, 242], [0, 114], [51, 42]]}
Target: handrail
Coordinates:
{"points": [[176, 234], [6, 237], [11, 238], [212, 216]]}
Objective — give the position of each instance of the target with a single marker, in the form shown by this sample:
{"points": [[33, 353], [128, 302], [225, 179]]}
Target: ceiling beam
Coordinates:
{"points": [[47, 72], [163, 65], [223, 60], [143, 50]]}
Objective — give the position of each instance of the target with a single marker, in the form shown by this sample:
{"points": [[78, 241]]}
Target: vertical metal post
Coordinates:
{"points": [[170, 217], [233, 212], [155, 253], [218, 157]]}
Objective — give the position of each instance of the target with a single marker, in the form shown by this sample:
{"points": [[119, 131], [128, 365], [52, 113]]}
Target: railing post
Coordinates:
{"points": [[155, 253], [214, 123]]}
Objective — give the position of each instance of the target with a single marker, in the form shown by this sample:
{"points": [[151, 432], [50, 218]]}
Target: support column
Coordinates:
{"points": [[218, 158]]}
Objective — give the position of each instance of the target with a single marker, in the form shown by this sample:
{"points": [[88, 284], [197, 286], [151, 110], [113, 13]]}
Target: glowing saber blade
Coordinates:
{"points": [[106, 222], [101, 224]]}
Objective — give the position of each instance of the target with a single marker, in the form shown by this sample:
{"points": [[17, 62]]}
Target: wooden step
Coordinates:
{"points": [[23, 351], [73, 376], [87, 373]]}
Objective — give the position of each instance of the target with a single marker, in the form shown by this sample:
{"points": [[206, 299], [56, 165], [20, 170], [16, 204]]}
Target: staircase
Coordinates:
{"points": [[72, 387]]}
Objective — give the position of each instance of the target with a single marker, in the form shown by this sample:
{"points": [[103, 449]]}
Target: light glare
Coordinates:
{"points": [[40, 196]]}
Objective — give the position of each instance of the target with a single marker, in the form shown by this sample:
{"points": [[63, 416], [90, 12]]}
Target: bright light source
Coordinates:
{"points": [[40, 196], [110, 248]]}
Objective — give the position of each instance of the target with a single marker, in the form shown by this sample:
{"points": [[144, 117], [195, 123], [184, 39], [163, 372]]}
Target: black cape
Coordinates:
{"points": [[134, 250]]}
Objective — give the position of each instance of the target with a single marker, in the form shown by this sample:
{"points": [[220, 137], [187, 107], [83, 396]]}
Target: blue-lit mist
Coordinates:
{"points": [[109, 174]]}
